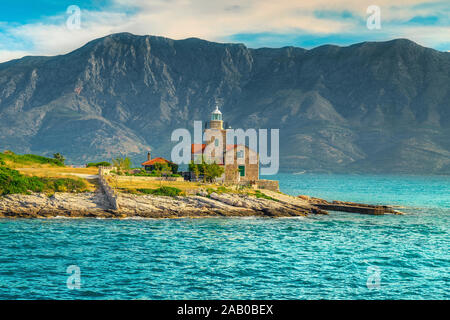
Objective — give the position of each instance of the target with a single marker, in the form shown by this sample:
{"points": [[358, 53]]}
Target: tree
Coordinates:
{"points": [[162, 169], [213, 171], [194, 169], [98, 164], [203, 169], [173, 167], [166, 171], [210, 171], [122, 164], [58, 156]]}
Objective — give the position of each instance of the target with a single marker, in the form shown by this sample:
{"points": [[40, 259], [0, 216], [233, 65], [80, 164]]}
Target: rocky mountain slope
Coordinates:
{"points": [[371, 107]]}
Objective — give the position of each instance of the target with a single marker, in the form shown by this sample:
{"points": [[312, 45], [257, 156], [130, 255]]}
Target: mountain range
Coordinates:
{"points": [[372, 107]]}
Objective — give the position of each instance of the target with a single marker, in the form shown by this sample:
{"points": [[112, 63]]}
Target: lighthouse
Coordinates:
{"points": [[237, 159], [216, 119]]}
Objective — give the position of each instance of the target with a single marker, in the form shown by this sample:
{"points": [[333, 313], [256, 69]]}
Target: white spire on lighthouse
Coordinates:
{"points": [[216, 114], [217, 111]]}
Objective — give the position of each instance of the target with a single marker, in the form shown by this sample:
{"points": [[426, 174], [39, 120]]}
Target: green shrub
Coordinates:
{"points": [[222, 189], [28, 158], [98, 164], [128, 190], [12, 181], [142, 173], [65, 185], [209, 171], [58, 156], [122, 164], [163, 191], [259, 194]]}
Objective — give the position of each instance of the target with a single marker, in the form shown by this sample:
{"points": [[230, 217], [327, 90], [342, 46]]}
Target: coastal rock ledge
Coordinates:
{"points": [[148, 206]]}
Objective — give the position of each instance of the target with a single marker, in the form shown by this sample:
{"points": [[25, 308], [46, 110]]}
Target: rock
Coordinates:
{"points": [[149, 206], [346, 206]]}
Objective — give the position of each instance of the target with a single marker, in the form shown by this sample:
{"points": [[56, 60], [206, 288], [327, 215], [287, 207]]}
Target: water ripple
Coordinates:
{"points": [[320, 257]]}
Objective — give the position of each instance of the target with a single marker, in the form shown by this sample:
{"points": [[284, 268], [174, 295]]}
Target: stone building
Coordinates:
{"points": [[241, 164]]}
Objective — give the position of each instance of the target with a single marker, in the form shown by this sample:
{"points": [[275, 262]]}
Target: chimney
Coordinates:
{"points": [[149, 156]]}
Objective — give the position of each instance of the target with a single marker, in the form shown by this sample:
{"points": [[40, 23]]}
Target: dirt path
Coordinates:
{"points": [[54, 171], [82, 175]]}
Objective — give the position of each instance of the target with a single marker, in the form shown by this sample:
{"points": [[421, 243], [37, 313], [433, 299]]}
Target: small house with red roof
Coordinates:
{"points": [[151, 164]]}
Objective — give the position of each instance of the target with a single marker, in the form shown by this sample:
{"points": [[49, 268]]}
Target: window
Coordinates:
{"points": [[216, 142], [240, 154]]}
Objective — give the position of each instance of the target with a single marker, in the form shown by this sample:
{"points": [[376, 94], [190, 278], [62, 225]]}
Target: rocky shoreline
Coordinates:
{"points": [[96, 205], [353, 207]]}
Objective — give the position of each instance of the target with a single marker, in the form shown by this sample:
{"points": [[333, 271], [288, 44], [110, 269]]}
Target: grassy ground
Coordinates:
{"points": [[63, 172], [51, 171], [12, 182], [13, 160], [41, 174], [137, 187], [126, 185]]}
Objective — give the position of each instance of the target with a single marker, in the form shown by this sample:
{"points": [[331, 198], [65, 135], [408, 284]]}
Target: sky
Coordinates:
{"points": [[47, 27]]}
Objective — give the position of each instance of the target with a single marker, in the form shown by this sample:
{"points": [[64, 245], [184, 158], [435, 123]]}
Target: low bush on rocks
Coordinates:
{"points": [[163, 191], [259, 194], [12, 181], [98, 164]]}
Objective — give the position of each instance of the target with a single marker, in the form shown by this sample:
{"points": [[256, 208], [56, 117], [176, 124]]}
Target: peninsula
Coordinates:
{"points": [[54, 190]]}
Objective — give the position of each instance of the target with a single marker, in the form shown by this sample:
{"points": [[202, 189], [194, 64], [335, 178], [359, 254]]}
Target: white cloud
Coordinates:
{"points": [[425, 35], [6, 55], [218, 20], [56, 38]]}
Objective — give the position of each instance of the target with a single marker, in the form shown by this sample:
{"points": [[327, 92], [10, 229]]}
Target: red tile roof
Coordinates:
{"points": [[197, 148], [231, 146], [155, 160]]}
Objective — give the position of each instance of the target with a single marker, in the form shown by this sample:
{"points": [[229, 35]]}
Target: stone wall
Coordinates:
{"points": [[105, 170], [109, 192], [268, 184], [136, 178], [251, 163]]}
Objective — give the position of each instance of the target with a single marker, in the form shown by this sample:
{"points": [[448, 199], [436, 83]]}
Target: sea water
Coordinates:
{"points": [[338, 256]]}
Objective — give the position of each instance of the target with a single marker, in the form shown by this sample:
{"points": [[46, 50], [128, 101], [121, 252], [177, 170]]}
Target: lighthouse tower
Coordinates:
{"points": [[216, 134], [216, 119]]}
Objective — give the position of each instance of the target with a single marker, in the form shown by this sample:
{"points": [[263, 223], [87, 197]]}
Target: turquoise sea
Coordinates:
{"points": [[339, 256]]}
